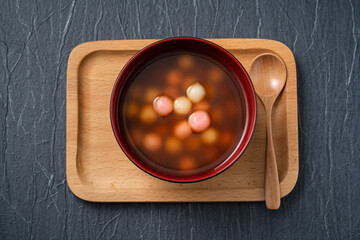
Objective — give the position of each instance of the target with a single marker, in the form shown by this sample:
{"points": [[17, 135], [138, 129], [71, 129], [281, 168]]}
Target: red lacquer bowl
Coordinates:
{"points": [[198, 46]]}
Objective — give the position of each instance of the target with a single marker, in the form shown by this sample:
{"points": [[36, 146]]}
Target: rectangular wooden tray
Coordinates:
{"points": [[97, 169]]}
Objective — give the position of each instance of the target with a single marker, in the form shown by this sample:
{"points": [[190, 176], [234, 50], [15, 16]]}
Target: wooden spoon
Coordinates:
{"points": [[268, 74]]}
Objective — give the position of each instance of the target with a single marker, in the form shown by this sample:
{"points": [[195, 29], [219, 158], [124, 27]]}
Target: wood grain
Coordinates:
{"points": [[98, 170]]}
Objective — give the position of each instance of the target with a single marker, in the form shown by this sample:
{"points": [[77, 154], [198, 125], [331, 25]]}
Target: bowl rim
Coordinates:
{"points": [[212, 173]]}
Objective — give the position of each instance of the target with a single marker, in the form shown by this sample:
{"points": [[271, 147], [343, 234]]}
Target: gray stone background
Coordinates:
{"points": [[36, 38]]}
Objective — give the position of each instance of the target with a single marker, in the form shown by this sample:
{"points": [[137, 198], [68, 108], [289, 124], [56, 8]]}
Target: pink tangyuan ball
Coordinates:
{"points": [[163, 105], [199, 121]]}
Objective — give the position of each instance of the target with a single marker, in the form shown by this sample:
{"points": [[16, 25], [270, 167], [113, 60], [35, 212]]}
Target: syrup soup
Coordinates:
{"points": [[182, 113]]}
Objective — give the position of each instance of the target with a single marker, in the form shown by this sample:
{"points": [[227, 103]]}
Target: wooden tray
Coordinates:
{"points": [[98, 170]]}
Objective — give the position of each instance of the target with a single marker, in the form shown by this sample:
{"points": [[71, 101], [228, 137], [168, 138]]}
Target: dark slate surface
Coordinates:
{"points": [[35, 41]]}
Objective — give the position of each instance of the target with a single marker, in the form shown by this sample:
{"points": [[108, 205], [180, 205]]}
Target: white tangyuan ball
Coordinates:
{"points": [[196, 92], [182, 105]]}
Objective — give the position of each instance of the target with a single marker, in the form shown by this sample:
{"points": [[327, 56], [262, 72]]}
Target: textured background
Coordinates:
{"points": [[35, 41]]}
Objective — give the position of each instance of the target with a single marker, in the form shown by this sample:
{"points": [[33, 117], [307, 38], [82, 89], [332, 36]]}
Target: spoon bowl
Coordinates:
{"points": [[268, 74]]}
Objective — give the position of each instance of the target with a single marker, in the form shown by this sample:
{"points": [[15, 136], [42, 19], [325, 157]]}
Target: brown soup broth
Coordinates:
{"points": [[224, 102]]}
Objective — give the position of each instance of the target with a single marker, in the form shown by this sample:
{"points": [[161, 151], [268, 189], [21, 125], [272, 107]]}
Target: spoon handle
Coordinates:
{"points": [[272, 187]]}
